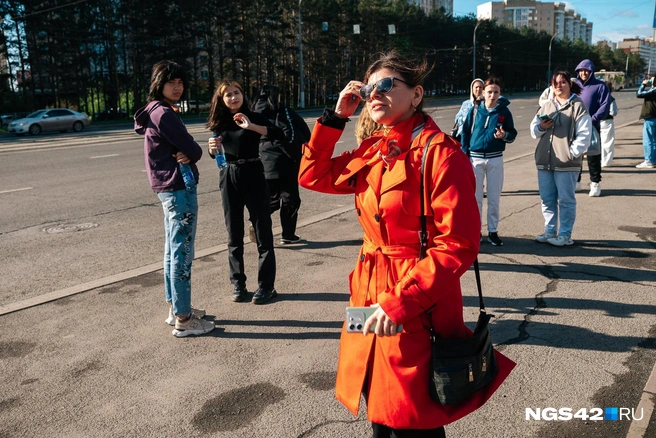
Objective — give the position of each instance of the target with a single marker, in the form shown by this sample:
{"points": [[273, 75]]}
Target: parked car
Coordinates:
{"points": [[48, 120], [190, 106]]}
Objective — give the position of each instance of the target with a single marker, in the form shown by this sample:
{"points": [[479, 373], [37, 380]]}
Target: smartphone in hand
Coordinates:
{"points": [[356, 317], [544, 117]]}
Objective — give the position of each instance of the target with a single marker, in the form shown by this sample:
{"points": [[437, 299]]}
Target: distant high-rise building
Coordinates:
{"points": [[646, 48], [431, 5], [552, 18]]}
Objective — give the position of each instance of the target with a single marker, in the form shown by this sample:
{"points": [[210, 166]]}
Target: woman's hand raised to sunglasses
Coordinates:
{"points": [[349, 99]]}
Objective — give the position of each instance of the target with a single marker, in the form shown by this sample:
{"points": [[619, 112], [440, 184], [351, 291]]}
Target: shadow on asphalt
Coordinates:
{"points": [[524, 305], [570, 337]]}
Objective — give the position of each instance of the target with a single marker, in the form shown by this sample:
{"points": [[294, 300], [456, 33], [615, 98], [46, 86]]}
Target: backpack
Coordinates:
{"points": [[297, 132]]}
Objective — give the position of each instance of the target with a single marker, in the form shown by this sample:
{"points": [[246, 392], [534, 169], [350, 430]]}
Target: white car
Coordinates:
{"points": [[49, 120]]}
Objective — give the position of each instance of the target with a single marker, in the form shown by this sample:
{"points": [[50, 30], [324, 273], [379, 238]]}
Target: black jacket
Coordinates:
{"points": [[281, 156]]}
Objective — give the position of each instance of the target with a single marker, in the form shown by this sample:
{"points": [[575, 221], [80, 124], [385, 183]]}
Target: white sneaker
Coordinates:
{"points": [[645, 165], [578, 187], [192, 327], [544, 237], [198, 313], [561, 241], [595, 189]]}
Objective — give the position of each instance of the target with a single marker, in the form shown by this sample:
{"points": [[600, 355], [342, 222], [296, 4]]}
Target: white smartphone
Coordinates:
{"points": [[356, 317]]}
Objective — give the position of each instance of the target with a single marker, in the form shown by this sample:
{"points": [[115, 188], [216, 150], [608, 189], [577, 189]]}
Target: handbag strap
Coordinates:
{"points": [[423, 234]]}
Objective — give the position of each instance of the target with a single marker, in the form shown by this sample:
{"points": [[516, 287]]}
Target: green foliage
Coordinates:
{"points": [[98, 55]]}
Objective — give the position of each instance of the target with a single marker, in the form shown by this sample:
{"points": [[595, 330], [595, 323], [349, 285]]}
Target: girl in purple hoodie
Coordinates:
{"points": [[169, 149]]}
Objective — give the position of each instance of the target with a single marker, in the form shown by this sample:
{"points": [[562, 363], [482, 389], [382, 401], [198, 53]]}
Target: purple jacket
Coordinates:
{"points": [[595, 94], [165, 135]]}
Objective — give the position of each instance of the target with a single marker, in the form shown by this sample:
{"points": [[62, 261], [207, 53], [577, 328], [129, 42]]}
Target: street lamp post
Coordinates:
{"points": [[301, 91], [549, 65], [626, 69], [474, 52]]}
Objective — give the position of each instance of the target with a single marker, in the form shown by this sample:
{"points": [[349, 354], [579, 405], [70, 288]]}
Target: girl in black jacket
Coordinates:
{"points": [[243, 184], [281, 159]]}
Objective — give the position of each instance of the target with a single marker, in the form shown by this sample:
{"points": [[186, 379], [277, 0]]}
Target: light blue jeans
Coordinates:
{"points": [[180, 218], [557, 193], [649, 140]]}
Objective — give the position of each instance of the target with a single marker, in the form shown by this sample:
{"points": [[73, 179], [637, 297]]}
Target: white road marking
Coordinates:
{"points": [[104, 156], [17, 190]]}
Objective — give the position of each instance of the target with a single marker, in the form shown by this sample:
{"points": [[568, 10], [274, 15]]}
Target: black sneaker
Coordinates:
{"points": [[288, 240], [239, 294], [261, 296], [493, 238]]}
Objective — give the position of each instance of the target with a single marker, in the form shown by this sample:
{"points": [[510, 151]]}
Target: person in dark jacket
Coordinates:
{"points": [[647, 91], [487, 128], [596, 97], [282, 158], [167, 146], [242, 184]]}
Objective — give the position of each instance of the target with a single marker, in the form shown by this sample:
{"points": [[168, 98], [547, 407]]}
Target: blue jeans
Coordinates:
{"points": [[180, 218], [557, 193], [649, 140]]}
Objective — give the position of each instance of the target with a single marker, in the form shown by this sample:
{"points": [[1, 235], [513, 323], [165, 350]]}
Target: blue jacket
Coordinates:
{"points": [[466, 106], [481, 142], [595, 94]]}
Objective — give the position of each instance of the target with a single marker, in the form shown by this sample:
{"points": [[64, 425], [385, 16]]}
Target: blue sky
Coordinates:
{"points": [[612, 20]]}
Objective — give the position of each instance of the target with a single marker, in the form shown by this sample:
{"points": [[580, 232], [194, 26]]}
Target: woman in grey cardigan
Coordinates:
{"points": [[563, 128]]}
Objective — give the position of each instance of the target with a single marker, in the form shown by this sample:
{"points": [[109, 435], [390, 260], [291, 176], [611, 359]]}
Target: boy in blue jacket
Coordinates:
{"points": [[487, 129]]}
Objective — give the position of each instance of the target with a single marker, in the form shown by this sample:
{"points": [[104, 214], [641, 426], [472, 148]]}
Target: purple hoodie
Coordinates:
{"points": [[165, 135], [595, 94]]}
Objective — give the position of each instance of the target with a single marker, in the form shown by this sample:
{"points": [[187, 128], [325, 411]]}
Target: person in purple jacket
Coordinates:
{"points": [[168, 147], [596, 97]]}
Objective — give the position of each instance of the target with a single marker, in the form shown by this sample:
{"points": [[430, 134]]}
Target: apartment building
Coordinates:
{"points": [[430, 5], [646, 48], [553, 18]]}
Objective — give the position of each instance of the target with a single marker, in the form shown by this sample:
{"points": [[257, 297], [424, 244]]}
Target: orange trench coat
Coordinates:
{"points": [[393, 372]]}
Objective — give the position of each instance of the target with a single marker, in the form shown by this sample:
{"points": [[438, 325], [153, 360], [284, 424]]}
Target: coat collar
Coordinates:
{"points": [[367, 156]]}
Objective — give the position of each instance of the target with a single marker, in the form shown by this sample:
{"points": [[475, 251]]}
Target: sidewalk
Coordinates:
{"points": [[579, 321]]}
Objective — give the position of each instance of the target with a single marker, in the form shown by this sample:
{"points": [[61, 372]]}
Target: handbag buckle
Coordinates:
{"points": [[423, 238], [471, 373]]}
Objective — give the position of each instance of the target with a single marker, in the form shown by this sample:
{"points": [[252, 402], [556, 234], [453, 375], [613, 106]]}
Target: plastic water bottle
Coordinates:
{"points": [[220, 156], [187, 176]]}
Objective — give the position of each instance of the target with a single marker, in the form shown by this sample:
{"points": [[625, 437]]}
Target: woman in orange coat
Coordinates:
{"points": [[390, 368]]}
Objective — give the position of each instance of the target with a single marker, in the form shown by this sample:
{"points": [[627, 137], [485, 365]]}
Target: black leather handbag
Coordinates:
{"points": [[459, 367]]}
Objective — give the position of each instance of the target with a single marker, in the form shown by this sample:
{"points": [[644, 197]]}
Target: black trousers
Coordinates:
{"points": [[594, 167], [381, 431], [286, 198], [243, 185]]}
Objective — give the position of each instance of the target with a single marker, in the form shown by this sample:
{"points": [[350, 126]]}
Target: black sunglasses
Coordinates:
{"points": [[383, 86]]}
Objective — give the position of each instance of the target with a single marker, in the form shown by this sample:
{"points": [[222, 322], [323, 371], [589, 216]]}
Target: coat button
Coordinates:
{"points": [[362, 258], [377, 217]]}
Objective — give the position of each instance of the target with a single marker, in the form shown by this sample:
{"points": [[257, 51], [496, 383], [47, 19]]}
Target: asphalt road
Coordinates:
{"points": [[579, 321], [81, 208]]}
